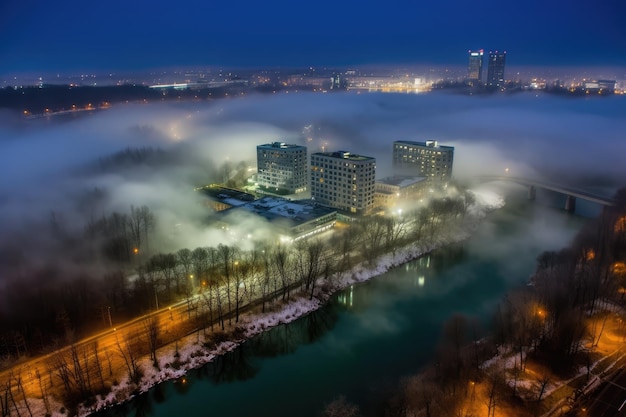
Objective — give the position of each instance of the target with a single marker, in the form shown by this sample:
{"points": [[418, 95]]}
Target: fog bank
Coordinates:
{"points": [[57, 164]]}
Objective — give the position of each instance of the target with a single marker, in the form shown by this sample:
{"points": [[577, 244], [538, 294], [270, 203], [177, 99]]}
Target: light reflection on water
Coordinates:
{"points": [[369, 335]]}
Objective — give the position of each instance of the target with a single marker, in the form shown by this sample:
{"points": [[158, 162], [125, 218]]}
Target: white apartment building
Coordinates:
{"points": [[282, 168], [425, 159], [343, 181]]}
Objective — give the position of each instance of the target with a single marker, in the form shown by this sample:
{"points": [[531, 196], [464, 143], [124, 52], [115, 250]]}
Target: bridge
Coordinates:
{"points": [[571, 193]]}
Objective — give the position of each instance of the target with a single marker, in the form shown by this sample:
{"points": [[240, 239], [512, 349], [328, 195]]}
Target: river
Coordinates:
{"points": [[370, 335]]}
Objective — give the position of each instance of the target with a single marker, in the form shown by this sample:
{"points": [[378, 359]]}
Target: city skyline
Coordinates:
{"points": [[119, 36]]}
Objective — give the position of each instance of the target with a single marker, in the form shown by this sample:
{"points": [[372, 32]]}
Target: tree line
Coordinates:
{"points": [[55, 308]]}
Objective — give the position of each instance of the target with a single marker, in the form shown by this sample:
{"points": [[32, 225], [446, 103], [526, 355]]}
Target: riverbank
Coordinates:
{"points": [[195, 351]]}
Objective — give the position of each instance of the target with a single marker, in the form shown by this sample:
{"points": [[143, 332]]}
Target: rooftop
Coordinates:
{"points": [[276, 208], [401, 180], [345, 155], [279, 145], [230, 196], [428, 143]]}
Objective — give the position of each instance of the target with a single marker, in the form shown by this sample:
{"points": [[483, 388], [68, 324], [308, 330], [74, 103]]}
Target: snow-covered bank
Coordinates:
{"points": [[193, 352]]}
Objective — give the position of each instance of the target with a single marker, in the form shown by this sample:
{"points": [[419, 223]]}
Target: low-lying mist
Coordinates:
{"points": [[62, 173]]}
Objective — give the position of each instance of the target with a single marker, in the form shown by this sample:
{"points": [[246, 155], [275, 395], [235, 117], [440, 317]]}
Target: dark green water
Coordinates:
{"points": [[371, 335]]}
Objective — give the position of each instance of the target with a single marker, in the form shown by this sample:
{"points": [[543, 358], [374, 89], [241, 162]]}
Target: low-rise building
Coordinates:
{"points": [[393, 191], [289, 219], [220, 198]]}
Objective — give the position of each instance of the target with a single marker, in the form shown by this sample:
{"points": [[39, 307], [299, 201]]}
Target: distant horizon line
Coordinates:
{"points": [[173, 69]]}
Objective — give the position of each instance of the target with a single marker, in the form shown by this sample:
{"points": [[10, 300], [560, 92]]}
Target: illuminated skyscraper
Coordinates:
{"points": [[475, 67], [495, 69]]}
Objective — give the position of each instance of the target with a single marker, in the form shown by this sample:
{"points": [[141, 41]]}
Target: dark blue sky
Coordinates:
{"points": [[69, 35]]}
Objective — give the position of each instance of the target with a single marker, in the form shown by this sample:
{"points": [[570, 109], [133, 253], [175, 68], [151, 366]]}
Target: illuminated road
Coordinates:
{"points": [[172, 323]]}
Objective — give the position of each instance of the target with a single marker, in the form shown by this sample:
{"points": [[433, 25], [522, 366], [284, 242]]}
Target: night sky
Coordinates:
{"points": [[70, 35]]}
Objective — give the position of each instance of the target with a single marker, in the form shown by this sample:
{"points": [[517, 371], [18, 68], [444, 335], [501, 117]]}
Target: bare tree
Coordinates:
{"points": [[395, 232], [495, 384], [373, 232], [9, 402], [200, 261], [266, 275], [185, 261], [165, 263], [141, 223], [61, 369], [421, 219], [130, 351], [242, 271], [283, 261], [227, 255], [98, 365], [344, 243], [43, 391], [148, 223], [151, 327], [542, 381], [207, 310], [80, 370], [308, 262]]}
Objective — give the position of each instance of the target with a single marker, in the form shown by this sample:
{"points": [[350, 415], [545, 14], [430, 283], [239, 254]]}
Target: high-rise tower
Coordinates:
{"points": [[495, 69], [475, 66]]}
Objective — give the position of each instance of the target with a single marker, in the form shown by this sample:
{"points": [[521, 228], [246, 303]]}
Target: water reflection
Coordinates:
{"points": [[285, 339], [143, 406], [233, 366], [346, 298], [158, 394], [242, 364]]}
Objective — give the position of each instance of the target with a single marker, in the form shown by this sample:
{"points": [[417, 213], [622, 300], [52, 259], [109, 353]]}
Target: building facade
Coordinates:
{"points": [[475, 66], [343, 181], [425, 159], [282, 168], [495, 69], [392, 192]]}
